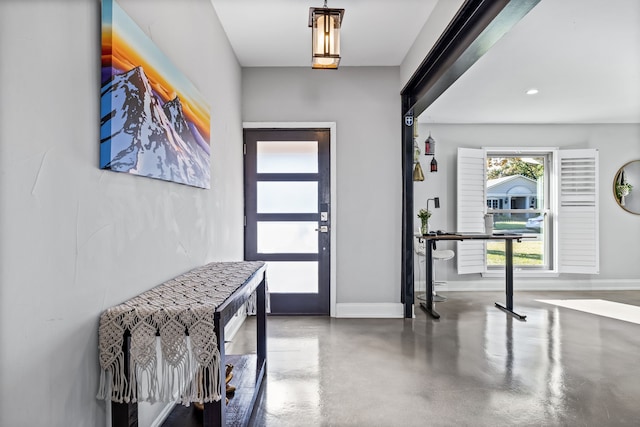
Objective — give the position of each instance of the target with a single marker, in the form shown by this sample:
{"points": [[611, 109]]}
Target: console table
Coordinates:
{"points": [[189, 314], [507, 237]]}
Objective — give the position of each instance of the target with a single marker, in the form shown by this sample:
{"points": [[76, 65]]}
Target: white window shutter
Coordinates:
{"points": [[577, 218], [472, 166]]}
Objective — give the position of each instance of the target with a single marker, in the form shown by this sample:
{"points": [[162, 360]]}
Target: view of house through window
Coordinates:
{"points": [[517, 196]]}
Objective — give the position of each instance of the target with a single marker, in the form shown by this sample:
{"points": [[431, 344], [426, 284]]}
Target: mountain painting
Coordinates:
{"points": [[154, 122]]}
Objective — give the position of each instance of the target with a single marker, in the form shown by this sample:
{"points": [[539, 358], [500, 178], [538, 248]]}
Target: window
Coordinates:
{"points": [[517, 197], [557, 207], [494, 203]]}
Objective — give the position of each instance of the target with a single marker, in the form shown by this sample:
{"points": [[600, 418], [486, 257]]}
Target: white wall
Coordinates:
{"points": [[75, 239], [617, 144], [440, 17], [365, 104]]}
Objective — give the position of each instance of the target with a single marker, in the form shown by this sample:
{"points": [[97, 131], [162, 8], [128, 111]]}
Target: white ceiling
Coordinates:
{"points": [[582, 55], [275, 33]]}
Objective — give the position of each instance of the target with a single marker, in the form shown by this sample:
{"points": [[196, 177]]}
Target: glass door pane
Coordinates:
{"points": [[293, 277], [287, 237], [287, 197], [287, 156]]}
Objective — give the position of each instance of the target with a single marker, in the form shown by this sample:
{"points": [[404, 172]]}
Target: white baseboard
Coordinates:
{"points": [[538, 284], [370, 310], [162, 416], [233, 325]]}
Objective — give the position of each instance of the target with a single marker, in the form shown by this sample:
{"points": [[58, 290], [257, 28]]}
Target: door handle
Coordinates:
{"points": [[323, 229]]}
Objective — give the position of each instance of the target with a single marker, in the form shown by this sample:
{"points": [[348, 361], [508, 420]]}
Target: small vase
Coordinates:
{"points": [[424, 228]]}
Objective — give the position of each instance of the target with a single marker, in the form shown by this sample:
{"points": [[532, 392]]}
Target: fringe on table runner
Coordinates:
{"points": [[205, 386], [184, 382], [176, 379], [190, 368], [113, 385]]}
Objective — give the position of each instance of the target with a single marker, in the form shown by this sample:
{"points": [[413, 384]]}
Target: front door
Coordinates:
{"points": [[287, 206]]}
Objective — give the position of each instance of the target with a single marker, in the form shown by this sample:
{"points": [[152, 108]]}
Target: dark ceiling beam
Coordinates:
{"points": [[477, 26]]}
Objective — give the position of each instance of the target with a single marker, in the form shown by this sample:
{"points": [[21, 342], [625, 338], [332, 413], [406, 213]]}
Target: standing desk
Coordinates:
{"points": [[508, 271]]}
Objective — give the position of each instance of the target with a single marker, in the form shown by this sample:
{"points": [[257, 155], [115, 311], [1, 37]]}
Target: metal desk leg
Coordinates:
{"points": [[428, 306], [508, 274]]}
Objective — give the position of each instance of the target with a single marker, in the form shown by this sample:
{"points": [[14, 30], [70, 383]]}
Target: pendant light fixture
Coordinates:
{"points": [[325, 37], [429, 146], [430, 150], [418, 175], [434, 165]]}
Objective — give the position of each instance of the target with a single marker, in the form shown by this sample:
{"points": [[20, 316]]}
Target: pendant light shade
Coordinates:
{"points": [[434, 165], [418, 175], [325, 36], [430, 146]]}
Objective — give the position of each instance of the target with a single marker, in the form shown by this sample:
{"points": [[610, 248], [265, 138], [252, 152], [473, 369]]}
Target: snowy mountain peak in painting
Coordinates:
{"points": [[173, 111], [140, 136]]}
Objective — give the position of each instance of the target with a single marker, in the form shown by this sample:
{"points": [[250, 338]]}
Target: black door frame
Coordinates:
{"points": [[329, 172], [477, 26]]}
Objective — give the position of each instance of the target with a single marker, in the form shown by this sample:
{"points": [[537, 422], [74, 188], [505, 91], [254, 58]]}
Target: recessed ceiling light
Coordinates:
{"points": [[532, 91]]}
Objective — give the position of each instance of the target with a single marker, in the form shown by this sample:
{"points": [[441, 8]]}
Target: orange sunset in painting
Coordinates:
{"points": [[154, 122]]}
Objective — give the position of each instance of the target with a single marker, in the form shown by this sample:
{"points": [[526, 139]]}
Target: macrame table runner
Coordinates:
{"points": [[179, 307]]}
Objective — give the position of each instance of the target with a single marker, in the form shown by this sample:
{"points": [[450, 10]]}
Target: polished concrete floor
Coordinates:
{"points": [[476, 366]]}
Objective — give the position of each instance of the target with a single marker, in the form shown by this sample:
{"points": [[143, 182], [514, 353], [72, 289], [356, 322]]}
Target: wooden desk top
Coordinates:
{"points": [[473, 236]]}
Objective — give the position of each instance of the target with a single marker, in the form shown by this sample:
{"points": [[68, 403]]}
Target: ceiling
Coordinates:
{"points": [[582, 55], [275, 33]]}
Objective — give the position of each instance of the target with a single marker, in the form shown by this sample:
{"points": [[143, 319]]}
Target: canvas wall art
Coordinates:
{"points": [[154, 122]]}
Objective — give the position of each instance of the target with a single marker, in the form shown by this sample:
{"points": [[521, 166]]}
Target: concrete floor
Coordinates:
{"points": [[476, 366]]}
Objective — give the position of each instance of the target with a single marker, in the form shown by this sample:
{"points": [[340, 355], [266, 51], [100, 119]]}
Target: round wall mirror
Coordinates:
{"points": [[626, 187]]}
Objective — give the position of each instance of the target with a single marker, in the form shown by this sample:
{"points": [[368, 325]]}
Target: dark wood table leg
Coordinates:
{"points": [[125, 414], [261, 315], [508, 274], [215, 413]]}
